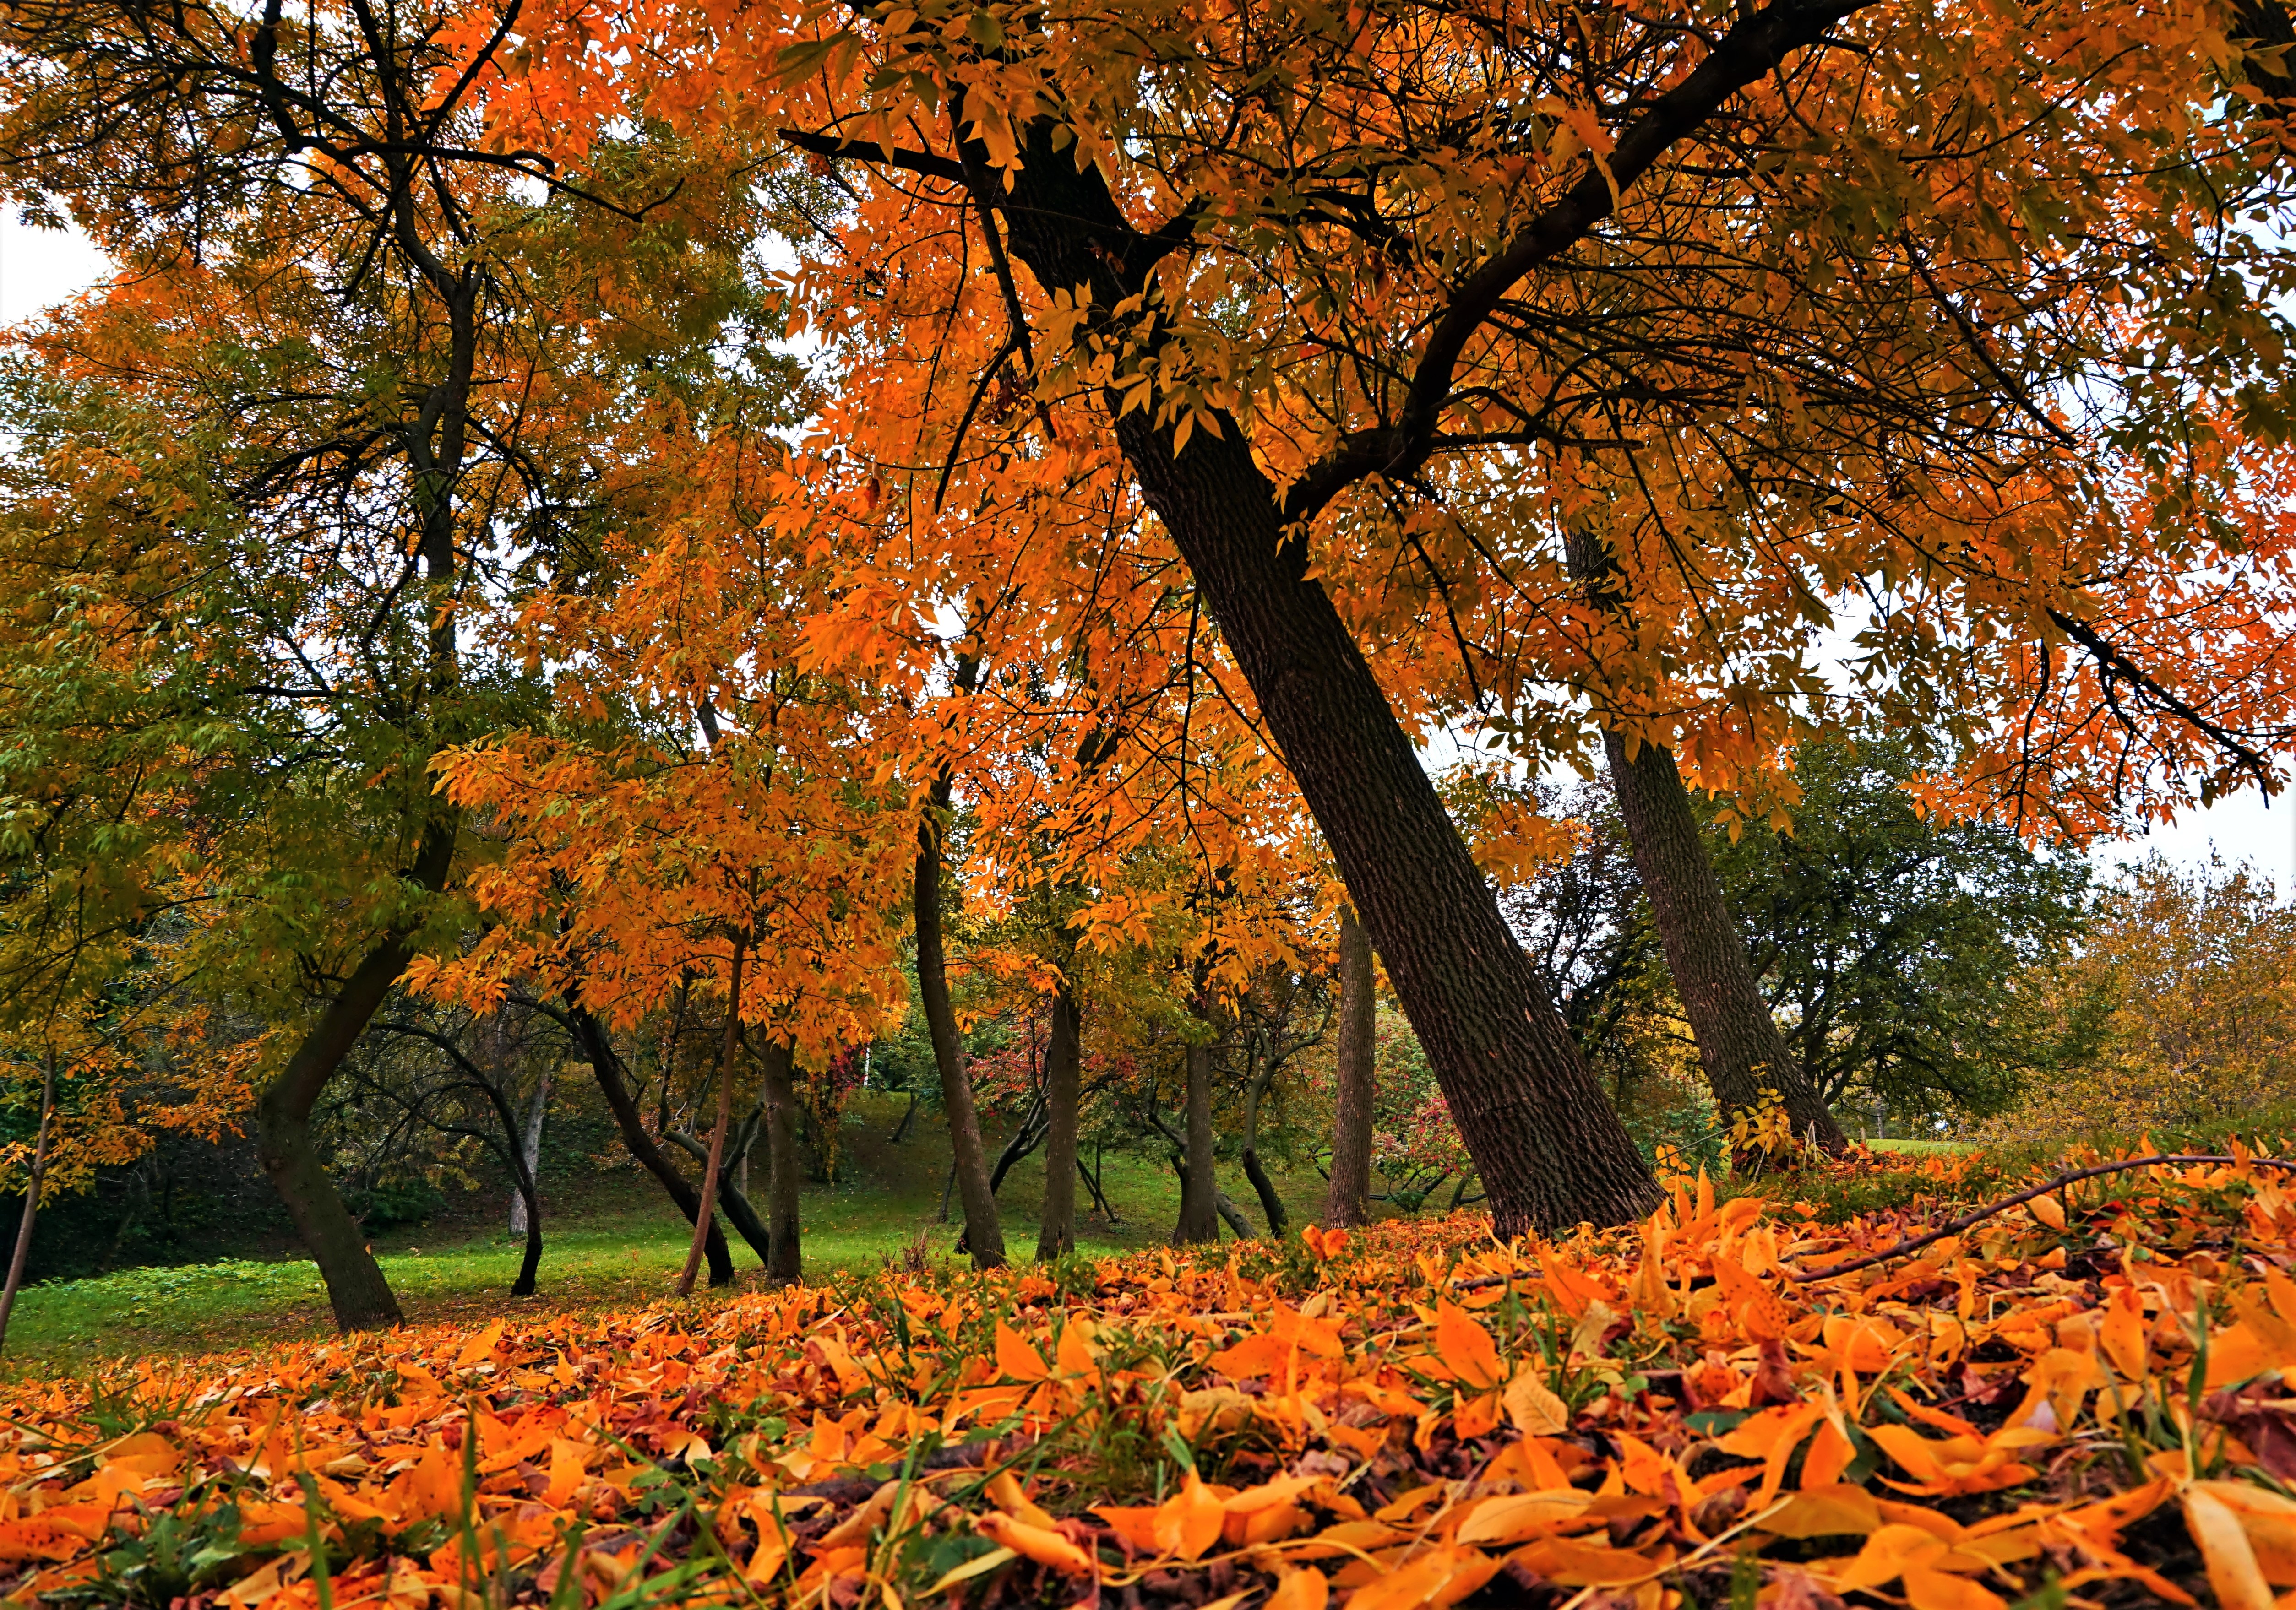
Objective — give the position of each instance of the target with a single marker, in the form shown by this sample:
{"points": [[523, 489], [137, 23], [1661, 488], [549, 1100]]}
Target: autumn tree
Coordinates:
{"points": [[1372, 307]]}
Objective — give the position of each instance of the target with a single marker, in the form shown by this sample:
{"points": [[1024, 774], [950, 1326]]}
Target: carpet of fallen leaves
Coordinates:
{"points": [[2081, 1401]]}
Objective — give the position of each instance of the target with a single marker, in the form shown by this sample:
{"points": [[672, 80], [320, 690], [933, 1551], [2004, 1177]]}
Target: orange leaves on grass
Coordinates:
{"points": [[1396, 1429]]}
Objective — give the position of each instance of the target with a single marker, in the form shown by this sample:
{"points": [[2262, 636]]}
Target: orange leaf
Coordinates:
{"points": [[1189, 1521]]}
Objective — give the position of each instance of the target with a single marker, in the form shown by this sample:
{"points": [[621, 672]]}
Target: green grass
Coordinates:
{"points": [[611, 1239], [1921, 1145]]}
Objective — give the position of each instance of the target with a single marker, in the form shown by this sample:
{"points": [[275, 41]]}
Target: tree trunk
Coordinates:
{"points": [[1739, 1044], [1270, 1204], [786, 1265], [984, 1235], [1530, 1112], [1199, 1208], [360, 1297], [733, 1184], [1348, 1202], [704, 1219], [530, 1148], [607, 1067], [1233, 1216], [40, 1177], [1063, 1096]]}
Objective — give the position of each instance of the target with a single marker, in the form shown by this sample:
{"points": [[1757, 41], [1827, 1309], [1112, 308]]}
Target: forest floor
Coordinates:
{"points": [[1788, 1396], [612, 1239]]}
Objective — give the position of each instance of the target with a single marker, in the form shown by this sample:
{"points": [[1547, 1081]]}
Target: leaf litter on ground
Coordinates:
{"points": [[2082, 1399]]}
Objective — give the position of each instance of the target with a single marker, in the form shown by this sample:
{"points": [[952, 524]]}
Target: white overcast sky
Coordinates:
{"points": [[39, 268]]}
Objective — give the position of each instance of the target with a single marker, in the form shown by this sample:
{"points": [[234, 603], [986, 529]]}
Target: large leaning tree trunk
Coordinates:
{"points": [[1348, 1202], [360, 1297], [776, 1062], [1199, 1186], [606, 1066], [1527, 1106], [984, 1235], [1739, 1044], [1548, 1145], [1064, 1100]]}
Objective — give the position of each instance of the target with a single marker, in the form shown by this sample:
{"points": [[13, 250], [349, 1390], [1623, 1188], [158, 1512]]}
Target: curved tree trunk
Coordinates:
{"points": [[360, 1297], [1739, 1044], [1348, 1202], [704, 1219], [732, 1194], [606, 1065], [984, 1235], [1270, 1204], [1199, 1204], [1063, 1097], [786, 1265], [529, 1146]]}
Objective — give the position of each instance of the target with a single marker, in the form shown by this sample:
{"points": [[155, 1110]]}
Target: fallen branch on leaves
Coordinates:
{"points": [[1953, 1226]]}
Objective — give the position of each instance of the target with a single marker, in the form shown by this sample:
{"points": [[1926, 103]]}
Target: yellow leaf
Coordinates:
{"points": [[1533, 1408], [481, 1347], [980, 1567], [2233, 1570], [1511, 1519], [2049, 1211], [1189, 1521], [1305, 1588], [1467, 1347]]}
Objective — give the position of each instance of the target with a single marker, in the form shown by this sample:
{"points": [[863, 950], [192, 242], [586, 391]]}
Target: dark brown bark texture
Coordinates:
{"points": [[984, 1233], [360, 1297], [1739, 1044], [1348, 1202], [1528, 1107], [606, 1066], [1063, 1097], [786, 1265], [1198, 1206]]}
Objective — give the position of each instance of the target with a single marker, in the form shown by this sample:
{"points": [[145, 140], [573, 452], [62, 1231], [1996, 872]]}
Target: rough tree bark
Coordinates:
{"points": [[1199, 1211], [357, 1291], [1527, 1106], [1739, 1044], [1063, 1097], [984, 1234], [1348, 1202], [786, 1264], [606, 1066]]}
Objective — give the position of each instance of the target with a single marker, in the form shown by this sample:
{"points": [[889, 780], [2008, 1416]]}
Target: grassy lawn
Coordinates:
{"points": [[611, 1240]]}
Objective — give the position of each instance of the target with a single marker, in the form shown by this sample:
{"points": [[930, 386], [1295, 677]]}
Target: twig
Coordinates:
{"points": [[1956, 1226]]}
